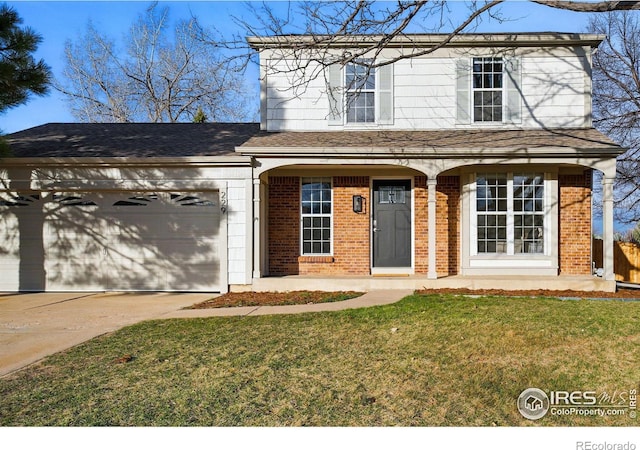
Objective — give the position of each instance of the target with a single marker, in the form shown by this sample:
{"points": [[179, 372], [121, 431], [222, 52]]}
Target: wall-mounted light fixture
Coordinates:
{"points": [[358, 204]]}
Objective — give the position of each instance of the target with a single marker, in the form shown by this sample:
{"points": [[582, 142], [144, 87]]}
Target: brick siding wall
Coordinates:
{"points": [[448, 225], [421, 216], [351, 239], [351, 234], [284, 225], [575, 223]]}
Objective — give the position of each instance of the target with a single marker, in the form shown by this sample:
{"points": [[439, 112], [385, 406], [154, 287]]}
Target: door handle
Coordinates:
{"points": [[375, 226]]}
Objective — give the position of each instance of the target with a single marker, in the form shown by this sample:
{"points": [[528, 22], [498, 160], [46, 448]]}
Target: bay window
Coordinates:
{"points": [[509, 213]]}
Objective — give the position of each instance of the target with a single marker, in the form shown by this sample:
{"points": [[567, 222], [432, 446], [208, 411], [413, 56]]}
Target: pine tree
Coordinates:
{"points": [[20, 74], [200, 116]]}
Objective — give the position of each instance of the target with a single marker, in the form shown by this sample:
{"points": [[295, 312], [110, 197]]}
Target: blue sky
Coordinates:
{"points": [[58, 22]]}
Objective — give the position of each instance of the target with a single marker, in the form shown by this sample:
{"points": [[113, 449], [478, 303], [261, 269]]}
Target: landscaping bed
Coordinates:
{"points": [[275, 298]]}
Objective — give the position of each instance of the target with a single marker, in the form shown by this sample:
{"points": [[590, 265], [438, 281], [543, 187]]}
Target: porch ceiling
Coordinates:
{"points": [[434, 144]]}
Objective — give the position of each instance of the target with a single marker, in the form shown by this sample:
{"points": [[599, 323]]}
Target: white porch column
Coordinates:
{"points": [[607, 228], [257, 237], [432, 182]]}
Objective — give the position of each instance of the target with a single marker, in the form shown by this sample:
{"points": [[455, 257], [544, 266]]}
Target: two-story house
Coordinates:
{"points": [[473, 160], [469, 166]]}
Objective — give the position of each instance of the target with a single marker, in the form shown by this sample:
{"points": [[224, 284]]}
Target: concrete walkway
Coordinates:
{"points": [[33, 326], [373, 298]]}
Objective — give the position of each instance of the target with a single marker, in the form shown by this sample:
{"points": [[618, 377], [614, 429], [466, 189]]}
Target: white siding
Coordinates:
{"points": [[236, 231], [424, 88]]}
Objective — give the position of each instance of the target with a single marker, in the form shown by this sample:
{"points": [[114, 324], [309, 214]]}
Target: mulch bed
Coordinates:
{"points": [[309, 297], [275, 298], [622, 293]]}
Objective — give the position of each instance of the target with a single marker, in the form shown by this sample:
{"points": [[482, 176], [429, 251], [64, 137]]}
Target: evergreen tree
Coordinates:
{"points": [[200, 116], [20, 74]]}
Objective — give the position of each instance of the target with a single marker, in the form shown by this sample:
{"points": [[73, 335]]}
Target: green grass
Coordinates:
{"points": [[425, 361]]}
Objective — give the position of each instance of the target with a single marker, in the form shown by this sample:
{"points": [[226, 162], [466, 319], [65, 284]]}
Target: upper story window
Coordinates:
{"points": [[487, 89], [360, 87], [360, 94]]}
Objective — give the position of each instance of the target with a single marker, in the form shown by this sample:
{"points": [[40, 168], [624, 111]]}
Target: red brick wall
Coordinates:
{"points": [[284, 225], [448, 225], [351, 240], [575, 223], [421, 226], [351, 233]]}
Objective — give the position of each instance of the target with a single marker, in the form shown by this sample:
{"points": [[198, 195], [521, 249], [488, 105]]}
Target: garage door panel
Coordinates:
{"points": [[134, 277], [80, 275], [198, 276], [21, 242], [111, 241]]}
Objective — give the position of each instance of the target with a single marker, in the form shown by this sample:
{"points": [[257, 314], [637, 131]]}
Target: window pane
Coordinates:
{"points": [[360, 84], [316, 219], [477, 81], [487, 89]]}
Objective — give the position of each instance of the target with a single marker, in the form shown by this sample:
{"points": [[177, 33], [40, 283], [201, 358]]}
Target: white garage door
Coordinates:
{"points": [[151, 241]]}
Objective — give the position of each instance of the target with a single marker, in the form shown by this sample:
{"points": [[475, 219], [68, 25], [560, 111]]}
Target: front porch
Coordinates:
{"points": [[417, 282], [502, 210]]}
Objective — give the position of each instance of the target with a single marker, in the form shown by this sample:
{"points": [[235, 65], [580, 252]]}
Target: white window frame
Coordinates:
{"points": [[312, 215], [510, 214], [474, 90], [511, 92], [521, 264], [338, 94], [357, 92]]}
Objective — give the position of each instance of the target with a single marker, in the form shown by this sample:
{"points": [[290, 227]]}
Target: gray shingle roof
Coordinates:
{"points": [[148, 140], [578, 138], [138, 140]]}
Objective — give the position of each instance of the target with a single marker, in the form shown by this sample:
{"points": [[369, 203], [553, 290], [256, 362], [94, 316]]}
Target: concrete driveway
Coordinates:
{"points": [[33, 326]]}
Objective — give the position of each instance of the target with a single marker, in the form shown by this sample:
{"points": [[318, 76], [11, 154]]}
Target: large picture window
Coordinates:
{"points": [[510, 216], [361, 93], [487, 89], [316, 216]]}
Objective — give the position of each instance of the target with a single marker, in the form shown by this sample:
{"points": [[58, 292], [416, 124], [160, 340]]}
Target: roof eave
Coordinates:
{"points": [[461, 40], [190, 161], [428, 152]]}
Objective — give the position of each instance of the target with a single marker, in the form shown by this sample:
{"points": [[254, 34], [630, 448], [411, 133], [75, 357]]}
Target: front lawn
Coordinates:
{"points": [[428, 360]]}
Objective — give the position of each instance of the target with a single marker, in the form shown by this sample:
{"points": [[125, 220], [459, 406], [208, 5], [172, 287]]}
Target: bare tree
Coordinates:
{"points": [[156, 77], [616, 100], [311, 35], [326, 24]]}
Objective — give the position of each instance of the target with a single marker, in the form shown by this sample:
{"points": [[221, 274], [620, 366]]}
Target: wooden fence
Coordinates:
{"points": [[626, 260]]}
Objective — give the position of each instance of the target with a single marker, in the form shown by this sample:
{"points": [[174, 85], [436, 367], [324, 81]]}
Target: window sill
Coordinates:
{"points": [[315, 259]]}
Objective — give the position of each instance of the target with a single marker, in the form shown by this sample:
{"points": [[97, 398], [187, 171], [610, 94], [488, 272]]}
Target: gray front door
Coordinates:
{"points": [[392, 223]]}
